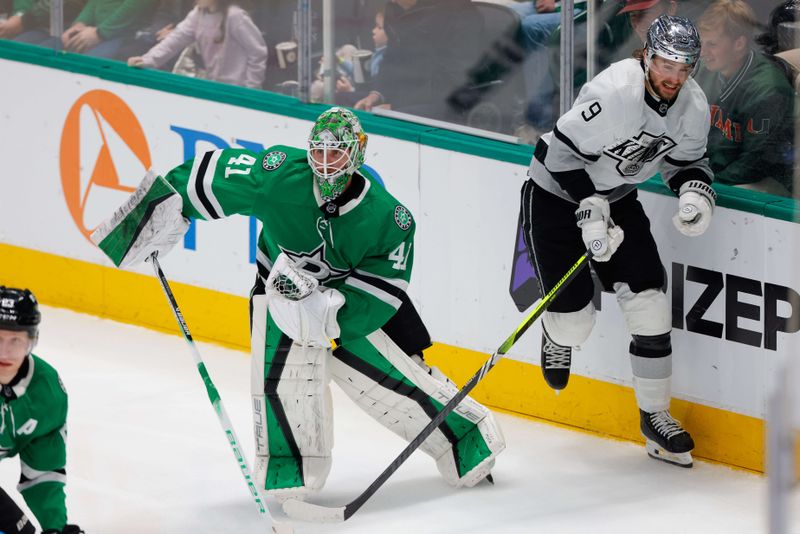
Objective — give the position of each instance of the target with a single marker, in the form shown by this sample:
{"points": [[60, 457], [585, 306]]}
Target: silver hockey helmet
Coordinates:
{"points": [[673, 38]]}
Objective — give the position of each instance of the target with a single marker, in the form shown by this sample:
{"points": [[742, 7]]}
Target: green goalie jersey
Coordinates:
{"points": [[33, 415], [360, 243]]}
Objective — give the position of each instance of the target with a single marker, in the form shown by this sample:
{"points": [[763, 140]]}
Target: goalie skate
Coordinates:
{"points": [[665, 438]]}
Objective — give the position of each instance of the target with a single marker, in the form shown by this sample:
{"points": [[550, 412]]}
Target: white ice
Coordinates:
{"points": [[147, 455]]}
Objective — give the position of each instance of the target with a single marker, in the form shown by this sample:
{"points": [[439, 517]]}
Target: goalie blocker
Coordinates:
{"points": [[149, 221]]}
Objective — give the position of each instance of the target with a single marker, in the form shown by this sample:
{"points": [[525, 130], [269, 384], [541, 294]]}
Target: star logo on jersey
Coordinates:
{"points": [[634, 153], [273, 160], [315, 264]]}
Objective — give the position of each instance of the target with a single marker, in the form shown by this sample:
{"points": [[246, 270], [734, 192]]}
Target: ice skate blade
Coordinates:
{"points": [[681, 459]]}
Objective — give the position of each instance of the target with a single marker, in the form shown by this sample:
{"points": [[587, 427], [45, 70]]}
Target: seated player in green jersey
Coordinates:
{"points": [[334, 261], [33, 417]]}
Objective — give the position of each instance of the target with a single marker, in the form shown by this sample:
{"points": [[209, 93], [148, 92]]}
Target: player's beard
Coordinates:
{"points": [[659, 89]]}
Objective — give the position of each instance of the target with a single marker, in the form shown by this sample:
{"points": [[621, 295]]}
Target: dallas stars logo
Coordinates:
{"points": [[402, 217], [273, 160], [315, 264]]}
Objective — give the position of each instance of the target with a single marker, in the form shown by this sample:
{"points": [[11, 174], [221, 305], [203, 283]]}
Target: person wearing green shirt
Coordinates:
{"points": [[750, 143], [103, 27], [334, 261], [33, 414], [34, 15]]}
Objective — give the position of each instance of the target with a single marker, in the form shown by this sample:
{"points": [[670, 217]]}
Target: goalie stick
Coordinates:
{"points": [[278, 527], [326, 514]]}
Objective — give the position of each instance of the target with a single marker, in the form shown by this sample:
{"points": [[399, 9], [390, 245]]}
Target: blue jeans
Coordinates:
{"points": [[107, 48]]}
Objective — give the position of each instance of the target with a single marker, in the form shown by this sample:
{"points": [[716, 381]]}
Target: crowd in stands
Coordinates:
{"points": [[444, 59]]}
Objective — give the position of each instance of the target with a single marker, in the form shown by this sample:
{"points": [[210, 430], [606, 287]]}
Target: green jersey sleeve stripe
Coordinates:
{"points": [[200, 183], [364, 284]]}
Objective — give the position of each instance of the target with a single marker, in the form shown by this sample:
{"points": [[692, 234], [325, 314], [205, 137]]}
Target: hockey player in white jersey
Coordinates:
{"points": [[638, 117]]}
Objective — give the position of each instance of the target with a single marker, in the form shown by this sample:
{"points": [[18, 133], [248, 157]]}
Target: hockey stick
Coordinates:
{"points": [[325, 514], [216, 401]]}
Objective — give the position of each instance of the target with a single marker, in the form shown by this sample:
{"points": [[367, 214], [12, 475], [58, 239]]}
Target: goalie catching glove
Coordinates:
{"points": [[149, 221], [696, 203], [598, 231], [302, 310]]}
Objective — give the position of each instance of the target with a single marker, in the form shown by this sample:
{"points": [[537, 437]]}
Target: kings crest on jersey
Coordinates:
{"points": [[622, 135], [365, 226]]}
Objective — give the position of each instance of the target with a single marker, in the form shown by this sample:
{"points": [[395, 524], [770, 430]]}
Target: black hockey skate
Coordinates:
{"points": [[666, 439], [556, 360]]}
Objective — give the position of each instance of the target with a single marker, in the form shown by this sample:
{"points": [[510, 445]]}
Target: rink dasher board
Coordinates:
{"points": [[75, 153]]}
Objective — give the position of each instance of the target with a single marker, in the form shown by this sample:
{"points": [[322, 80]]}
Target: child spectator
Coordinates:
{"points": [[230, 45], [432, 44]]}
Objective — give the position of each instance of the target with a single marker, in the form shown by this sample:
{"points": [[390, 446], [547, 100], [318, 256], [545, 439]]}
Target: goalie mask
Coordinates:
{"points": [[672, 38], [335, 150]]}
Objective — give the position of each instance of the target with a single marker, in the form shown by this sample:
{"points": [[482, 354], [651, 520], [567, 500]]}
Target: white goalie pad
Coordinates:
{"points": [[302, 394], [302, 310], [400, 410]]}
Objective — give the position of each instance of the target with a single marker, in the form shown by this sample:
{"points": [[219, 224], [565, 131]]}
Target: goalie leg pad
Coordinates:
{"points": [[404, 396], [570, 329], [149, 221], [292, 408], [12, 519]]}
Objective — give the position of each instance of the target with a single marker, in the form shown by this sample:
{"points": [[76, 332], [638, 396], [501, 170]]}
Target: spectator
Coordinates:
{"points": [[781, 32], [167, 15], [623, 29], [380, 40], [539, 18], [349, 89], [101, 29], [230, 45], [344, 74], [33, 418], [781, 39], [34, 15], [430, 47], [752, 103]]}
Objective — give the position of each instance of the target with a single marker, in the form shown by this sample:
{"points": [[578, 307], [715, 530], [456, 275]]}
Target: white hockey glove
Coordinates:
{"points": [[149, 221], [599, 234], [302, 310], [695, 206]]}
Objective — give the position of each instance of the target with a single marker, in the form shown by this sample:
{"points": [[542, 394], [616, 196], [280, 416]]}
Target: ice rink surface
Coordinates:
{"points": [[147, 455]]}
